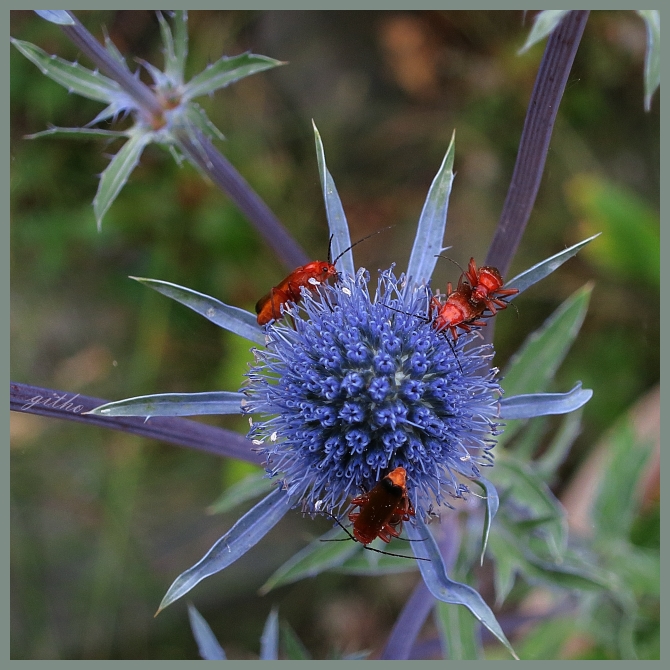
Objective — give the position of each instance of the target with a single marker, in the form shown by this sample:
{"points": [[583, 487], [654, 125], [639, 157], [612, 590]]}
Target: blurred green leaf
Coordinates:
{"points": [[117, 173], [559, 447], [175, 48], [532, 500], [652, 60], [226, 71], [619, 496], [458, 630], [294, 649], [74, 77], [250, 487], [534, 365], [547, 638], [544, 24], [320, 555], [513, 557], [630, 244]]}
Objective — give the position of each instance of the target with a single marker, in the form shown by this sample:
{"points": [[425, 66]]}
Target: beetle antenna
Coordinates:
{"points": [[330, 249], [452, 260], [355, 243], [365, 546]]}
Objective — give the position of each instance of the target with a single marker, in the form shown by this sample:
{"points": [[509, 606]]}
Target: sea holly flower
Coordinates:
{"points": [[165, 114], [361, 386], [357, 382]]}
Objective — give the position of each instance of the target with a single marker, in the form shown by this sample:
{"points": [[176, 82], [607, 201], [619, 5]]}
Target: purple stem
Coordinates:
{"points": [[199, 150], [182, 432], [420, 603], [544, 101], [139, 91]]}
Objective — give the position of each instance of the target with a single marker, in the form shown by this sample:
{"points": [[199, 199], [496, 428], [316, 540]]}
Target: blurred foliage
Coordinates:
{"points": [[102, 522]]}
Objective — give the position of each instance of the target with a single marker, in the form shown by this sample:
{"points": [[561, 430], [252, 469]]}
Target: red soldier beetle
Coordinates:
{"points": [[458, 311], [381, 513], [309, 276], [487, 285]]}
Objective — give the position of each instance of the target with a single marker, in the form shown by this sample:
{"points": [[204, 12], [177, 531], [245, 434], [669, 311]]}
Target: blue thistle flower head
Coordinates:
{"points": [[359, 384], [352, 385]]}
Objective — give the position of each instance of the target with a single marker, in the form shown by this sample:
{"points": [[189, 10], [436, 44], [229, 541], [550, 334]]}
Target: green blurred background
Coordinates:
{"points": [[102, 522]]}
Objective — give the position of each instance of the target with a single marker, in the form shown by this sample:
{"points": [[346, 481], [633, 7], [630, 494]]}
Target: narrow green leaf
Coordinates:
{"points": [[115, 53], [531, 494], [294, 649], [250, 487], [629, 248], [226, 71], [116, 174], [547, 639], [83, 132], [618, 495], [180, 23], [320, 555], [512, 556], [208, 645], [433, 221], [652, 60], [172, 70], [196, 116], [505, 564], [554, 456], [74, 77], [337, 221], [234, 319], [436, 579], [534, 365], [457, 629], [544, 24], [247, 532], [174, 404]]}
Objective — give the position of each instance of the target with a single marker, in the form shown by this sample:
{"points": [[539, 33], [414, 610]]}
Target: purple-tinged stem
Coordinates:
{"points": [[538, 126], [182, 432], [416, 610], [138, 90]]}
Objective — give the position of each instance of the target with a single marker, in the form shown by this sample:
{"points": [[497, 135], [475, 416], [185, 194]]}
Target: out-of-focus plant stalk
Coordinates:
{"points": [[534, 145], [183, 432]]}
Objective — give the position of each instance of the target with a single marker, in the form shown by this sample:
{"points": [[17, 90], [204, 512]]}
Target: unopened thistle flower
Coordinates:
{"points": [[359, 384]]}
